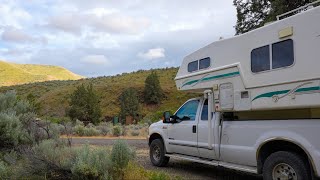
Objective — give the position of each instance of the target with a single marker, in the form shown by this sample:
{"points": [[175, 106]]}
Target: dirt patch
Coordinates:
{"points": [[106, 137]]}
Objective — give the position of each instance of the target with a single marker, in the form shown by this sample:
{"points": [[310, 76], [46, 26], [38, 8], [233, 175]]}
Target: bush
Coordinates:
{"points": [[104, 128], [91, 164], [91, 131], [121, 154], [86, 131], [79, 130], [117, 130], [51, 158], [135, 133], [11, 131], [4, 170]]}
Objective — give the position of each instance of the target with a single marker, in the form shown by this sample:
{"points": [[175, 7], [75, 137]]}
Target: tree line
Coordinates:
{"points": [[252, 14], [84, 103]]}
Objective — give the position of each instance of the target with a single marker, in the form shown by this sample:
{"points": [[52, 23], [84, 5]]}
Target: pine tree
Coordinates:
{"points": [[252, 14], [152, 90], [129, 103], [84, 105]]}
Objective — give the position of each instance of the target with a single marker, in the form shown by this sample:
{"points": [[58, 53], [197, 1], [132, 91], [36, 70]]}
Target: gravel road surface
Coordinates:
{"points": [[185, 169]]}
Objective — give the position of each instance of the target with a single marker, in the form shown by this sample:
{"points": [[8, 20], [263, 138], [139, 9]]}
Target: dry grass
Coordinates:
{"points": [[54, 95], [13, 74]]}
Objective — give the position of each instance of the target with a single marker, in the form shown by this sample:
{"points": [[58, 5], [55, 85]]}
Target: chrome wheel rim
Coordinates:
{"points": [[284, 171], [156, 153]]}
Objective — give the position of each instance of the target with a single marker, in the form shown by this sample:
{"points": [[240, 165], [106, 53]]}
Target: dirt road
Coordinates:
{"points": [[185, 169]]}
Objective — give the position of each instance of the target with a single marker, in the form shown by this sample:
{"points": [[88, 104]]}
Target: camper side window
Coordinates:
{"points": [[193, 66], [260, 59], [204, 63], [282, 54]]}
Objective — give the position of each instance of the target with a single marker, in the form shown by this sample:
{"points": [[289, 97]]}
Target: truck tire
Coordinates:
{"points": [[282, 165], [157, 153]]}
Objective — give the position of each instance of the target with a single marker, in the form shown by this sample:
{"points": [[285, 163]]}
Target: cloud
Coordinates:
{"points": [[153, 54], [95, 60], [19, 36], [95, 38], [67, 22], [12, 15], [99, 20]]}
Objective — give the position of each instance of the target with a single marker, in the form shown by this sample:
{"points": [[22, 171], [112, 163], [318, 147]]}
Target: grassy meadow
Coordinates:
{"points": [[54, 95], [13, 74]]}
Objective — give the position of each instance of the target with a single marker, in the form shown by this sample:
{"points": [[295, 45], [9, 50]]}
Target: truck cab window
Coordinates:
{"points": [[188, 111], [204, 112]]}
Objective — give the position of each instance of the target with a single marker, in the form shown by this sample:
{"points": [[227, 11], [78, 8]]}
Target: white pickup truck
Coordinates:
{"points": [[260, 112], [278, 149]]}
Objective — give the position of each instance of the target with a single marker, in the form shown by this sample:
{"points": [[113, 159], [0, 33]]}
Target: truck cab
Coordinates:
{"points": [[281, 148]]}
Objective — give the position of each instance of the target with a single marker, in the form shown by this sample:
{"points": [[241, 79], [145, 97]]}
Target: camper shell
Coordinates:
{"points": [[272, 67]]}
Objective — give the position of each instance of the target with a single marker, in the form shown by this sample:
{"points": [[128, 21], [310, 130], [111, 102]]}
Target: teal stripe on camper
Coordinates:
{"points": [[270, 94], [212, 78], [316, 88]]}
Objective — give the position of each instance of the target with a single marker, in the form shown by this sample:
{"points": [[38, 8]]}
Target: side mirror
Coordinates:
{"points": [[166, 117]]}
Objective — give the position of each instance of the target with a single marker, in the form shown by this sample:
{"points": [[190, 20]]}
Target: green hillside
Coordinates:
{"points": [[54, 95], [13, 74]]}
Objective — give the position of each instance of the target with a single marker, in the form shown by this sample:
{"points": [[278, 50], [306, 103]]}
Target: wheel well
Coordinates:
{"points": [[278, 145], [154, 136]]}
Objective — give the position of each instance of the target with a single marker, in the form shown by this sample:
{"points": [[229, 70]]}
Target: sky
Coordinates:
{"points": [[107, 37]]}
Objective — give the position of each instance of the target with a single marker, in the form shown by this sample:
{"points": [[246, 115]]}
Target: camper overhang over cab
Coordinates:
{"points": [[273, 67]]}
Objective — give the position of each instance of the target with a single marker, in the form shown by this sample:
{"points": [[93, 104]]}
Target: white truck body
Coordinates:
{"points": [[252, 116], [237, 144]]}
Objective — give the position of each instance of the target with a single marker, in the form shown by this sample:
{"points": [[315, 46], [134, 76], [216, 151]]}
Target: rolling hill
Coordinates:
{"points": [[13, 74], [54, 95]]}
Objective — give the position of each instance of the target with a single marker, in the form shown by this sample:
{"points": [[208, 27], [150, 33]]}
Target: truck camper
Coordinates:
{"points": [[260, 109]]}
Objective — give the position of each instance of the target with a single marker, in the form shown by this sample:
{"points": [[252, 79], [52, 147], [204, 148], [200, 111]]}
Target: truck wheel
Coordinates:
{"points": [[285, 165], [157, 153]]}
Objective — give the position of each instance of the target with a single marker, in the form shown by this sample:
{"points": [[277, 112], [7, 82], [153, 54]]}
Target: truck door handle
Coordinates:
{"points": [[194, 129]]}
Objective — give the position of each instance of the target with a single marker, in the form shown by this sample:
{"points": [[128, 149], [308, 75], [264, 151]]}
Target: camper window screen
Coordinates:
{"points": [[204, 63], [260, 59], [282, 54], [193, 66]]}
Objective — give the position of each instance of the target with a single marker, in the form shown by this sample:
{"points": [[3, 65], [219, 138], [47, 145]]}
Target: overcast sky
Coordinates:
{"points": [[107, 37]]}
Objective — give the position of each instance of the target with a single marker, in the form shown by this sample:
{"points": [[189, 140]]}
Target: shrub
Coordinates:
{"points": [[135, 133], [121, 154], [86, 131], [91, 164], [117, 131], [104, 128], [79, 130], [91, 131], [4, 170], [51, 158], [11, 131]]}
